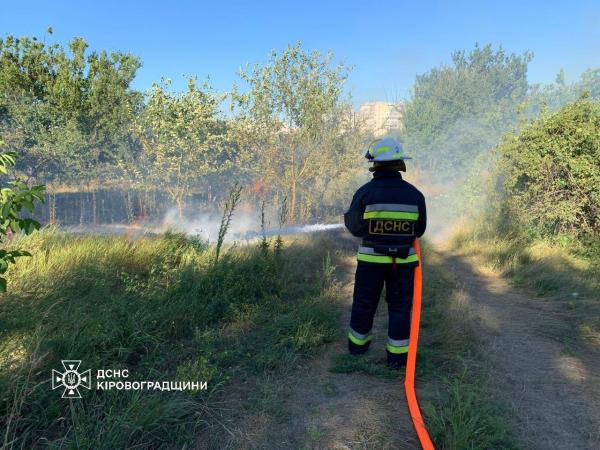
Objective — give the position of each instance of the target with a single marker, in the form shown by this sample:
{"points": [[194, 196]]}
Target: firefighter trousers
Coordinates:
{"points": [[369, 282]]}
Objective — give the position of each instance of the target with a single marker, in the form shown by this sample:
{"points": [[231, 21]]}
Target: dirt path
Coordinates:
{"points": [[350, 411], [552, 390]]}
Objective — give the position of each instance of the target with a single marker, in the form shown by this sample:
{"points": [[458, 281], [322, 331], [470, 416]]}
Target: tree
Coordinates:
{"points": [[553, 96], [461, 110], [181, 137], [13, 198], [296, 119], [66, 112]]}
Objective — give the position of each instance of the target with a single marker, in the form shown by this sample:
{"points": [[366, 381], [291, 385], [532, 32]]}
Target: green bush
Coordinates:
{"points": [[550, 172]]}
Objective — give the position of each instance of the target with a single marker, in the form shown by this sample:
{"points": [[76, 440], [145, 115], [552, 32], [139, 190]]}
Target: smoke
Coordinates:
{"points": [[314, 228], [244, 226], [455, 178], [299, 229], [206, 224]]}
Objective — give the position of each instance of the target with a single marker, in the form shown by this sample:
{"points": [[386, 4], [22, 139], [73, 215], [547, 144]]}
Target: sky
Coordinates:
{"points": [[387, 43]]}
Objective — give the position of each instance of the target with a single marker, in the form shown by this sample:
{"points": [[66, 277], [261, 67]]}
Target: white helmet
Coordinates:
{"points": [[386, 149]]}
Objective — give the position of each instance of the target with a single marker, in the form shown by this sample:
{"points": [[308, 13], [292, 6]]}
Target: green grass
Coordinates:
{"points": [[459, 412], [159, 307], [564, 269], [464, 417]]}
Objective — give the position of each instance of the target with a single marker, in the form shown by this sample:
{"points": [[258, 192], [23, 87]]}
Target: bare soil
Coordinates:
{"points": [[550, 382]]}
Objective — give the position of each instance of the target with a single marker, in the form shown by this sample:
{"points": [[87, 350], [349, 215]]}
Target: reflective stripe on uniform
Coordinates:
{"points": [[368, 254], [391, 215], [385, 259], [398, 342], [397, 345], [391, 211], [359, 339], [392, 207], [396, 350]]}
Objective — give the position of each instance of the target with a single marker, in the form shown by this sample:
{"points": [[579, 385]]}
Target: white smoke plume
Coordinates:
{"points": [[244, 226]]}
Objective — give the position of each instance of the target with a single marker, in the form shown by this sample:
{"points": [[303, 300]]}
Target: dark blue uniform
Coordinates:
{"points": [[388, 213]]}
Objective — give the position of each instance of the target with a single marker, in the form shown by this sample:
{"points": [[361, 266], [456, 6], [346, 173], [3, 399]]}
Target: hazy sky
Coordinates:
{"points": [[387, 42]]}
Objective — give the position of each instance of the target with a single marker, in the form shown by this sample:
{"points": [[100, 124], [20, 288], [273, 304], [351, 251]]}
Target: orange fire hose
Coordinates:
{"points": [[409, 381]]}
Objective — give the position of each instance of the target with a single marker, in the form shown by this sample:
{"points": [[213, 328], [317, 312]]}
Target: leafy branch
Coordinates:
{"points": [[12, 201]]}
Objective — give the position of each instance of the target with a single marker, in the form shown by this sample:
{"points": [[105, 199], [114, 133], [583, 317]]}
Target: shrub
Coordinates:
{"points": [[550, 172]]}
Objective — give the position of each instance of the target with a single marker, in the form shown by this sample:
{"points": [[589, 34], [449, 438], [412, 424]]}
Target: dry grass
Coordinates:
{"points": [[565, 271]]}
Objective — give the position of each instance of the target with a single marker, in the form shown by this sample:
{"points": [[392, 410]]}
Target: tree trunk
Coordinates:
{"points": [[52, 208], [293, 203], [81, 208], [94, 208], [293, 189], [141, 213], [129, 207], [180, 205]]}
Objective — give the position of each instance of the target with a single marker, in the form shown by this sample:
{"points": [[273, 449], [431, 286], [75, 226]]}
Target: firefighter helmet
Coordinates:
{"points": [[384, 150]]}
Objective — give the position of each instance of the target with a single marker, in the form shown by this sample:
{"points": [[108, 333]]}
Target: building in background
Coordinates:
{"points": [[379, 118]]}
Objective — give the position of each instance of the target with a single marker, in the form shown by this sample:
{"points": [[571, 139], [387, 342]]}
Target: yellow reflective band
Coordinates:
{"points": [[391, 215], [385, 259], [358, 341], [396, 350], [382, 149]]}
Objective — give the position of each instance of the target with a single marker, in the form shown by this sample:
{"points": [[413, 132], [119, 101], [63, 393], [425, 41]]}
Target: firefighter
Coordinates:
{"points": [[387, 213]]}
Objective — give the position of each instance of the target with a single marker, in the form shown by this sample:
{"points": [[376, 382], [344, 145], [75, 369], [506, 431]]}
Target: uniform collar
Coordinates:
{"points": [[386, 173]]}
